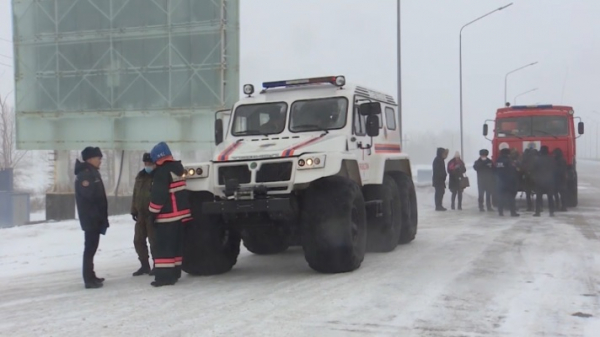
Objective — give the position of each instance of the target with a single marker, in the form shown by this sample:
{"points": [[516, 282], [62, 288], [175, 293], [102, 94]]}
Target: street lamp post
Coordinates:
{"points": [[513, 71], [523, 93], [460, 69], [399, 67]]}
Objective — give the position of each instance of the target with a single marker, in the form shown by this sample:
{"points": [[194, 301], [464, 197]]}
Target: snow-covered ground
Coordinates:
{"points": [[466, 274]]}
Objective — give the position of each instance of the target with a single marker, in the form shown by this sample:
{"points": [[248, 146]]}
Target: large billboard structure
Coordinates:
{"points": [[123, 74]]}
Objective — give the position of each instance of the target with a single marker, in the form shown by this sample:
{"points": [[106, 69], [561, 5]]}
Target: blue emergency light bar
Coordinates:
{"points": [[520, 107], [339, 81]]}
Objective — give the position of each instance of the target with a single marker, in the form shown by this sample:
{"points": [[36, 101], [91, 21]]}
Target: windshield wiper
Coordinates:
{"points": [[312, 126], [547, 133], [251, 133]]}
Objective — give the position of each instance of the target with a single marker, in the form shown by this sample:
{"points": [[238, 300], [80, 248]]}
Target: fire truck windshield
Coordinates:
{"points": [[532, 126]]}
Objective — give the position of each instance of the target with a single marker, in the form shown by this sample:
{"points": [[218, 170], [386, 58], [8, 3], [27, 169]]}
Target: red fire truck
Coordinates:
{"points": [[532, 126]]}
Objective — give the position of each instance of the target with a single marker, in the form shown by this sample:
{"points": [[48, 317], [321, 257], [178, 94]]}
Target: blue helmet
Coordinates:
{"points": [[159, 151]]}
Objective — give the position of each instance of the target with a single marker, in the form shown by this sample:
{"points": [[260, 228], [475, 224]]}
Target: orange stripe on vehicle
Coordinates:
{"points": [[224, 156], [290, 151]]}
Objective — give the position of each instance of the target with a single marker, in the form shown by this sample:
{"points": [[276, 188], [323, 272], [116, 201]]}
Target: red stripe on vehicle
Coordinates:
{"points": [[387, 148], [224, 156], [290, 151]]}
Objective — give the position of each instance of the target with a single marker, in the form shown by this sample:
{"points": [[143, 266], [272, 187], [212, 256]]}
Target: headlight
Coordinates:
{"points": [[311, 162], [196, 172]]}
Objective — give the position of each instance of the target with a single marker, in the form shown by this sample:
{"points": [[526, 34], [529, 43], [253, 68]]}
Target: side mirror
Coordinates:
{"points": [[485, 129], [368, 109], [218, 131], [580, 128], [373, 125]]}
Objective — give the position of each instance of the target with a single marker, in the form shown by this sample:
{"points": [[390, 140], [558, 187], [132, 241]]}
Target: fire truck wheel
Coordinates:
{"points": [[266, 240], [209, 248], [383, 232], [334, 225], [410, 213]]}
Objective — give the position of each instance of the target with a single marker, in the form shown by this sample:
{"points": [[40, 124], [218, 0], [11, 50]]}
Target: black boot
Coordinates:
{"points": [[93, 285], [157, 284], [144, 269], [98, 279]]}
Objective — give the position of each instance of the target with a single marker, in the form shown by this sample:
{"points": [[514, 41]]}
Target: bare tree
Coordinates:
{"points": [[9, 155]]}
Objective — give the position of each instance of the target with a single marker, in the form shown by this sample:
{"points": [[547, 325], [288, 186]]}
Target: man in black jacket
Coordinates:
{"points": [[439, 177], [169, 209], [560, 179], [92, 208], [506, 178], [543, 176], [485, 179]]}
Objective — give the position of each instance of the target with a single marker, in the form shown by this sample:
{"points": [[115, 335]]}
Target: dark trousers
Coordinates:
{"points": [[539, 200], [143, 230], [439, 196], [458, 193], [168, 251], [92, 239], [559, 196], [507, 200], [487, 191]]}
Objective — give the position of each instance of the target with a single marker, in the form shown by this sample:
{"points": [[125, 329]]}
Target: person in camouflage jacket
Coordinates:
{"points": [[139, 211]]}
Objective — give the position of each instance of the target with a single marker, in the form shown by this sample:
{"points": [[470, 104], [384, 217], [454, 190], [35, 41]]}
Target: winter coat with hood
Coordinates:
{"points": [[544, 170], [456, 170], [141, 193], [169, 197], [90, 197], [439, 168]]}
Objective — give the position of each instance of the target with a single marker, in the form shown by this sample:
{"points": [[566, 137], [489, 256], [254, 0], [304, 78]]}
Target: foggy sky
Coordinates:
{"points": [[284, 39]]}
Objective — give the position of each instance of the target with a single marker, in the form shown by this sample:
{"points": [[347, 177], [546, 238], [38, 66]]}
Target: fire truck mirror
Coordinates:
{"points": [[485, 129], [580, 128], [218, 131], [373, 125]]}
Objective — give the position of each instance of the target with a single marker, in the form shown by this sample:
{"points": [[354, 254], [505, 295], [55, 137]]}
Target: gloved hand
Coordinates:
{"points": [[134, 216]]}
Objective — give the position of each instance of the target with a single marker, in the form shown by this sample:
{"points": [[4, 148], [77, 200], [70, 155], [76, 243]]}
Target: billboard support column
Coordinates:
{"points": [[119, 199], [60, 201]]}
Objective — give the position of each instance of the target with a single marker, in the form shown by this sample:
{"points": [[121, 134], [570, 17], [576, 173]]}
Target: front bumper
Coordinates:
{"points": [[269, 205]]}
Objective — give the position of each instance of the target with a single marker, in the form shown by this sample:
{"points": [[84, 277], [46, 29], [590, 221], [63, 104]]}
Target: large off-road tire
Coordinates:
{"points": [[384, 231], [571, 199], [267, 240], [410, 213], [334, 225], [210, 248]]}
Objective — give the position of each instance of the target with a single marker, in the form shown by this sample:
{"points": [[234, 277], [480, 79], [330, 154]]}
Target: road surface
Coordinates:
{"points": [[466, 274]]}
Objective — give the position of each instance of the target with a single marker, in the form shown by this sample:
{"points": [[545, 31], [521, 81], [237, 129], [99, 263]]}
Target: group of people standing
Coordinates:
{"points": [[160, 207], [533, 171]]}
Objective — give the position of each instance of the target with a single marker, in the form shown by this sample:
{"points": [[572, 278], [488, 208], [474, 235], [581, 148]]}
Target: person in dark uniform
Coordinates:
{"points": [[139, 212], [543, 176], [169, 210], [485, 179], [92, 208], [560, 180], [506, 181], [439, 177]]}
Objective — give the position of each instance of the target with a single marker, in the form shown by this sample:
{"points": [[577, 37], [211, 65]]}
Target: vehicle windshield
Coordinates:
{"points": [[318, 114], [532, 126], [259, 119]]}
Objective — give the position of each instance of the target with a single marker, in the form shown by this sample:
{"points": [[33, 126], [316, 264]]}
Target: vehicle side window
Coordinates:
{"points": [[359, 123], [390, 118]]}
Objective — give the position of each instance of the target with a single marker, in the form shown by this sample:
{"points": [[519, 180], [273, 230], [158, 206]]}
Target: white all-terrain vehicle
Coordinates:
{"points": [[311, 162]]}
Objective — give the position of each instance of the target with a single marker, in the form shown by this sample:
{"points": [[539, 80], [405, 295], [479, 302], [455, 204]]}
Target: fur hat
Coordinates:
{"points": [[484, 152], [91, 152]]}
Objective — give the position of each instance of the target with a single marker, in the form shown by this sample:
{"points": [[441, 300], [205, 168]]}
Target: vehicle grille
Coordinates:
{"points": [[239, 172], [272, 172]]}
